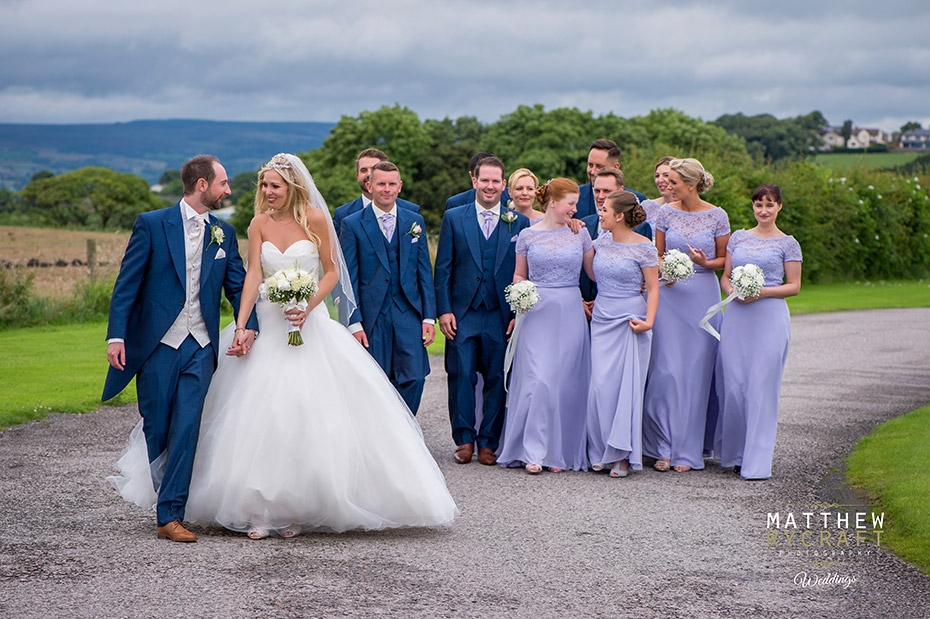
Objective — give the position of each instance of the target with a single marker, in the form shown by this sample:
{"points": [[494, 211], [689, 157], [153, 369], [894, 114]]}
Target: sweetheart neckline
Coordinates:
{"points": [[289, 246]]}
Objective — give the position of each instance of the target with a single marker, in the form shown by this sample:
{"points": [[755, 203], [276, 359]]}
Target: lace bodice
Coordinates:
{"points": [[618, 267], [768, 254], [303, 254], [553, 256], [652, 211], [697, 229]]}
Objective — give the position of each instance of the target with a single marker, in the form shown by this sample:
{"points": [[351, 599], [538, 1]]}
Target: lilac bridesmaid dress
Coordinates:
{"points": [[548, 393], [753, 349], [619, 357], [681, 367]]}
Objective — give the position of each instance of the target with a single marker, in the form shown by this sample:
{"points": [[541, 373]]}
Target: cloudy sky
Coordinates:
{"points": [[83, 61]]}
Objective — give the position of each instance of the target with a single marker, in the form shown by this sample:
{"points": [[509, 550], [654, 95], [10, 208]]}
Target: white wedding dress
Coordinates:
{"points": [[313, 435]]}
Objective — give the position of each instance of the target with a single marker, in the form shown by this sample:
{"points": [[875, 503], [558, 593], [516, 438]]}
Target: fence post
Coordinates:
{"points": [[92, 258]]}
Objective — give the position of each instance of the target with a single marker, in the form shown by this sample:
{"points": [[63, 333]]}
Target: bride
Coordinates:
{"points": [[300, 437]]}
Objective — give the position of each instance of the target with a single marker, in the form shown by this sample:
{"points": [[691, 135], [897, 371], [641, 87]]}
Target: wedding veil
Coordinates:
{"points": [[342, 296]]}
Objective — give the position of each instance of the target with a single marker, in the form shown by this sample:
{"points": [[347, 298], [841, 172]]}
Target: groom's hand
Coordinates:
{"points": [[116, 355]]}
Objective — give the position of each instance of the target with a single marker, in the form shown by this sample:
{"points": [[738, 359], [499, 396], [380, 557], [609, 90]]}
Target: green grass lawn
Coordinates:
{"points": [[890, 466], [860, 295], [841, 162]]}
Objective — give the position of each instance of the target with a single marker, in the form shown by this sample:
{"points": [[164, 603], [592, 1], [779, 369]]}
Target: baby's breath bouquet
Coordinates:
{"points": [[676, 266], [747, 281], [522, 296], [290, 288]]}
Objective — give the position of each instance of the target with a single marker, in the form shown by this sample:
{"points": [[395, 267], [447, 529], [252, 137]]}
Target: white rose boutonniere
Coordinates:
{"points": [[509, 217], [216, 235], [415, 232]]}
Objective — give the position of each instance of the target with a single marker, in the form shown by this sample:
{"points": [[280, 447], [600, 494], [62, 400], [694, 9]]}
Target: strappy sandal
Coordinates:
{"points": [[681, 468], [291, 531], [258, 533], [616, 471], [533, 469], [662, 465]]}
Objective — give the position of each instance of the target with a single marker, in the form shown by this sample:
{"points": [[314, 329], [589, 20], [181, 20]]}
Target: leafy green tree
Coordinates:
{"points": [[41, 174], [88, 197], [846, 132], [911, 124], [171, 185], [772, 139], [395, 130]]}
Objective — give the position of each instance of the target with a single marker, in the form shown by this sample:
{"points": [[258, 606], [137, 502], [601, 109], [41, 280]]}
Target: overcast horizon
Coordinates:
{"points": [[291, 61]]}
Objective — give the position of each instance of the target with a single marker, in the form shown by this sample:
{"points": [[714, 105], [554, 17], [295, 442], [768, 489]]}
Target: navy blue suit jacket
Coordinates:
{"points": [[366, 257], [468, 197], [458, 260], [357, 205], [150, 290], [592, 222], [586, 205]]}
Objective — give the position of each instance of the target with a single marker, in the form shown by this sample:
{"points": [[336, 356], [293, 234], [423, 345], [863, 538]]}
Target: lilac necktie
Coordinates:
{"points": [[488, 223], [387, 222]]}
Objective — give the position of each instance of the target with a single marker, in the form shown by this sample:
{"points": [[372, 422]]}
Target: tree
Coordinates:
{"points": [[846, 132], [88, 197], [909, 125], [772, 139], [42, 174], [171, 184]]}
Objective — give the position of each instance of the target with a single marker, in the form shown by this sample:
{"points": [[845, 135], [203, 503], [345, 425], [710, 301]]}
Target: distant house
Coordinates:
{"points": [[859, 138], [916, 139]]}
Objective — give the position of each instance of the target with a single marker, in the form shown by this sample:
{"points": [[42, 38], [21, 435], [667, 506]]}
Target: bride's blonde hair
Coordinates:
{"points": [[298, 195]]}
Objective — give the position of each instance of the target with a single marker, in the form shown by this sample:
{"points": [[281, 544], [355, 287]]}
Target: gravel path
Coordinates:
{"points": [[566, 545]]}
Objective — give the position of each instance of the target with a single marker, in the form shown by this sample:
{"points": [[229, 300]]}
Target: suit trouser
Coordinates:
{"points": [[478, 348], [172, 385], [396, 343]]}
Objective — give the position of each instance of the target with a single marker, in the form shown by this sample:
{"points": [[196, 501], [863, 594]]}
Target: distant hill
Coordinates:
{"points": [[147, 147]]}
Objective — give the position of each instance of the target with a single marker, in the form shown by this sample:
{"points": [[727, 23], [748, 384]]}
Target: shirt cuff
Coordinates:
{"points": [[355, 327], [429, 321], [115, 340]]}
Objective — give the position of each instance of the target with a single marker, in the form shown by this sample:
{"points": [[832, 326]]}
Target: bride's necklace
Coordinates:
{"points": [[283, 219]]}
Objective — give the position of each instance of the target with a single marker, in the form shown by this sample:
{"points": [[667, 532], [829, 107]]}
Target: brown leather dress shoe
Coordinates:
{"points": [[463, 453], [176, 532], [486, 456]]}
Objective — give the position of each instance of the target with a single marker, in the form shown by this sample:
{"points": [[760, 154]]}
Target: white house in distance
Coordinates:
{"points": [[859, 138], [916, 139]]}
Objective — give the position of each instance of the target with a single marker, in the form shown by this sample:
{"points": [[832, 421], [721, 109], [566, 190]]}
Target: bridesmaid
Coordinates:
{"points": [[546, 406], [621, 339], [660, 177], [754, 340], [681, 367], [522, 186]]}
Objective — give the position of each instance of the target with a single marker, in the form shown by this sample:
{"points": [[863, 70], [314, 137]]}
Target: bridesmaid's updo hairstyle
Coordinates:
{"points": [[692, 173], [555, 190], [769, 190], [627, 204], [297, 202]]}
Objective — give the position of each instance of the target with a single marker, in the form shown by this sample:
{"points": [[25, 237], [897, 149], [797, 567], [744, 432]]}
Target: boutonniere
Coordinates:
{"points": [[509, 216], [415, 231], [216, 235]]}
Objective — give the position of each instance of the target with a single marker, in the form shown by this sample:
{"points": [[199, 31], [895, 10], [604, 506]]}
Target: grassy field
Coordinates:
{"points": [[880, 161], [860, 295], [890, 466]]}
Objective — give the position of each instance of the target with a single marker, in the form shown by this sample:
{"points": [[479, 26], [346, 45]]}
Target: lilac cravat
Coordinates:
{"points": [[488, 223], [387, 222]]}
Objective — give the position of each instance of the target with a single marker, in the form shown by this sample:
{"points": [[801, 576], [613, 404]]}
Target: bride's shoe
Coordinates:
{"points": [[257, 533], [291, 531]]}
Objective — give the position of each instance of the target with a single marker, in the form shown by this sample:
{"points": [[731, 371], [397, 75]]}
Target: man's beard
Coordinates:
{"points": [[211, 202]]}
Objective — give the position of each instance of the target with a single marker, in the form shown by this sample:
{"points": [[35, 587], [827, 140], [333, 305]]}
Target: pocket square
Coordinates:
{"points": [[220, 253], [513, 239], [416, 239]]}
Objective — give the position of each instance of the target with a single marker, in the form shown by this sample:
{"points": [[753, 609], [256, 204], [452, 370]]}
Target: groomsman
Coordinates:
{"points": [[475, 261], [164, 327], [468, 196], [604, 153], [387, 256], [606, 181], [363, 164]]}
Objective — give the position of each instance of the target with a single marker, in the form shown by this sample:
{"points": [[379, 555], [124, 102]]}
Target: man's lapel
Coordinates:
{"points": [[505, 234], [175, 236], [404, 222], [374, 234], [209, 250], [473, 233]]}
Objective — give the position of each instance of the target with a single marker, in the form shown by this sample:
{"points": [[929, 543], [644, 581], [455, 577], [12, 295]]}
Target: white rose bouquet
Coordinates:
{"points": [[290, 288], [676, 266], [522, 296], [747, 281]]}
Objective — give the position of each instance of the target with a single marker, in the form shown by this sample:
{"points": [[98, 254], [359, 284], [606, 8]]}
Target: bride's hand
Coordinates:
{"points": [[296, 317]]}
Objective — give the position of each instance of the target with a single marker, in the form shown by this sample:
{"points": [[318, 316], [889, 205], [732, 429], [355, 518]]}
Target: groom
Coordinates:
{"points": [[164, 327], [388, 260]]}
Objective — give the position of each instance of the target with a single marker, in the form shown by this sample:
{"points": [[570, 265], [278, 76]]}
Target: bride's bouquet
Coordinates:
{"points": [[676, 266], [290, 288], [522, 296], [747, 281]]}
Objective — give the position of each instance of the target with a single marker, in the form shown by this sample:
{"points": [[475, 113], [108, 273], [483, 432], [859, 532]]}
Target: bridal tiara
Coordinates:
{"points": [[277, 166]]}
